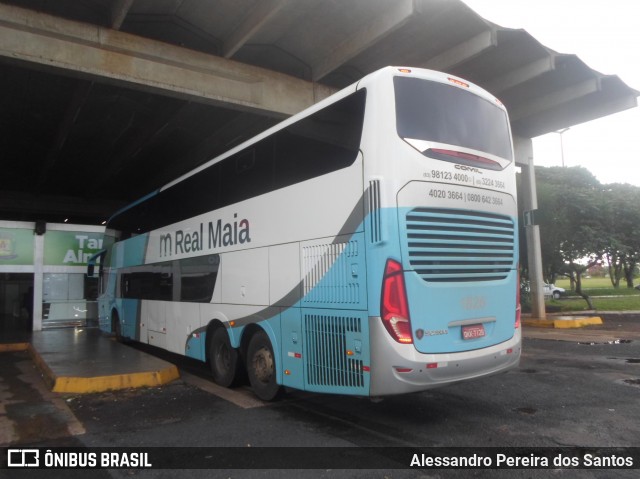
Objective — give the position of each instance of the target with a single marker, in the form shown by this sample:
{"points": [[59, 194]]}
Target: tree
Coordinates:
{"points": [[570, 206], [583, 222], [622, 222]]}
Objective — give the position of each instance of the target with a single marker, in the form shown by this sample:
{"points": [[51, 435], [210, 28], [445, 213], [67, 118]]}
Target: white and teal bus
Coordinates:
{"points": [[365, 246]]}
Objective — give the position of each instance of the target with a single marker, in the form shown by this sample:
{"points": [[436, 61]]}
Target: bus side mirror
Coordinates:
{"points": [[93, 259]]}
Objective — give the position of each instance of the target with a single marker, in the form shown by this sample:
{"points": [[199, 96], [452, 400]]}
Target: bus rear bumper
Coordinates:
{"points": [[399, 368]]}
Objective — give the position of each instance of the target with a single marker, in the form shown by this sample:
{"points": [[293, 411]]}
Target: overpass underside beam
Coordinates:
{"points": [[107, 55]]}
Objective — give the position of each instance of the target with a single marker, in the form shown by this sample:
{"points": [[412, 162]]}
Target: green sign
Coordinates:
{"points": [[16, 246], [70, 248]]}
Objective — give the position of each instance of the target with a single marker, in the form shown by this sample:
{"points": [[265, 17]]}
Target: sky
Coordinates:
{"points": [[606, 36]]}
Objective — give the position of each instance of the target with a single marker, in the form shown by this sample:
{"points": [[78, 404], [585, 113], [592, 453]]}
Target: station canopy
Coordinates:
{"points": [[103, 101]]}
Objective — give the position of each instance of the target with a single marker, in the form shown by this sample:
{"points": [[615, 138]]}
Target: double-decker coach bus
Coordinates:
{"points": [[365, 246]]}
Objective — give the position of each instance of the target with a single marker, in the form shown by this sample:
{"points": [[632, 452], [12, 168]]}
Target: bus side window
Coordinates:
{"points": [[248, 173], [198, 278], [326, 141]]}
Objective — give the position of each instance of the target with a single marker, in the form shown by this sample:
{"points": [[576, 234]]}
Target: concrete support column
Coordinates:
{"points": [[524, 159], [38, 280]]}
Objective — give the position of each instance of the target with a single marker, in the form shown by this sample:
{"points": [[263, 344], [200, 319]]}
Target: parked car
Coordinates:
{"points": [[553, 290]]}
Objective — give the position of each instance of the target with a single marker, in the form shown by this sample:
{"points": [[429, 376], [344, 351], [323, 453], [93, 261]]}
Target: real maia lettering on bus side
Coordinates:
{"points": [[216, 235]]}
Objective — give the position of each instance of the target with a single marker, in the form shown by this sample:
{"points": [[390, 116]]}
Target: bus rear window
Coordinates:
{"points": [[440, 113]]}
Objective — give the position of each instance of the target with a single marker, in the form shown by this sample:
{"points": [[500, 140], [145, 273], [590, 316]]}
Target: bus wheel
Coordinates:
{"points": [[261, 368], [223, 358]]}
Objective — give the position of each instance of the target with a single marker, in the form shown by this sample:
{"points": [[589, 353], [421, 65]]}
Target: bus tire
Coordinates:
{"points": [[261, 368], [223, 358]]}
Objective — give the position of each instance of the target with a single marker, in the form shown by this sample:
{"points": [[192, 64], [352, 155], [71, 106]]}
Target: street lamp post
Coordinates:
{"points": [[560, 132]]}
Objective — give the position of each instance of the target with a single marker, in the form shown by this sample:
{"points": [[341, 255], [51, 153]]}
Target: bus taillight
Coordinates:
{"points": [[394, 309]]}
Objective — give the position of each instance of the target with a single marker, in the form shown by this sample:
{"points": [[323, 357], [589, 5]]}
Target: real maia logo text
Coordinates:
{"points": [[209, 236]]}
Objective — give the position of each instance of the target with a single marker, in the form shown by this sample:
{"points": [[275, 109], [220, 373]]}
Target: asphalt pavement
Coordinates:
{"points": [[574, 389]]}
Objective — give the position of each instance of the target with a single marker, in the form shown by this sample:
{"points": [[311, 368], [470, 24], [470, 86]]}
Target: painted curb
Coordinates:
{"points": [[12, 347], [564, 322], [119, 381], [83, 385]]}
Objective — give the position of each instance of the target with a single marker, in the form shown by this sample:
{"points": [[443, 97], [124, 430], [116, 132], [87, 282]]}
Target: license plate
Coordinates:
{"points": [[473, 331]]}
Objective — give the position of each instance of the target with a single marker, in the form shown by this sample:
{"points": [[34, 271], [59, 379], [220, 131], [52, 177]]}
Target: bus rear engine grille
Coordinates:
{"points": [[448, 245]]}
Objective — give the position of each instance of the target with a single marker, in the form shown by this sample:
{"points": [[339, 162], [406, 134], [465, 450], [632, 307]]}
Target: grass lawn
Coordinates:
{"points": [[592, 283], [604, 296]]}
